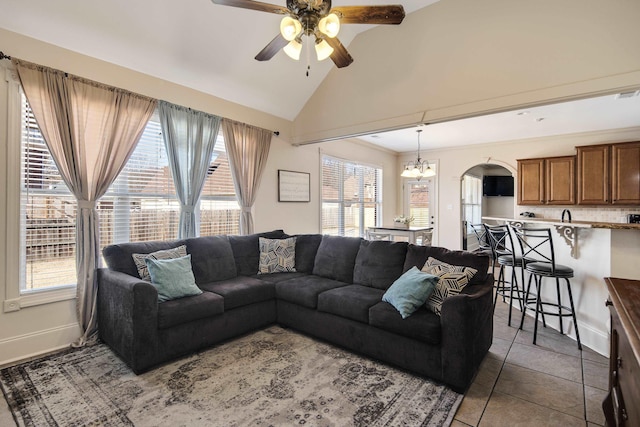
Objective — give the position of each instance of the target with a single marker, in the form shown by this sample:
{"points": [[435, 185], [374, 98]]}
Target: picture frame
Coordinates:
{"points": [[294, 186]]}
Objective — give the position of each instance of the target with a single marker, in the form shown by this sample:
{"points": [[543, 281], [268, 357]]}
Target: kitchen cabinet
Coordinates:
{"points": [[625, 174], [547, 181], [593, 175], [609, 174]]}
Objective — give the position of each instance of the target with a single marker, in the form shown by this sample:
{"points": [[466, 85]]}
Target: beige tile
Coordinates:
{"points": [[6, 419], [509, 411], [596, 374], [499, 348], [542, 389], [593, 399], [588, 354], [549, 339], [473, 404], [502, 331], [457, 423], [549, 362]]}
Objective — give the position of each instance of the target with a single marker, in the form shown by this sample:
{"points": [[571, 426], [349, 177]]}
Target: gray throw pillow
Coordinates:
{"points": [[139, 259], [453, 278]]}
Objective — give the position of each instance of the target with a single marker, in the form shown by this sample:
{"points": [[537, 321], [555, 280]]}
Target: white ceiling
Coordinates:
{"points": [[593, 114], [210, 48], [194, 43]]}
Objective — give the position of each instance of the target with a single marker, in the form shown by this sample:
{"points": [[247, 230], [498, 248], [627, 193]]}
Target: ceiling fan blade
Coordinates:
{"points": [[390, 14], [340, 56], [254, 5], [272, 48]]}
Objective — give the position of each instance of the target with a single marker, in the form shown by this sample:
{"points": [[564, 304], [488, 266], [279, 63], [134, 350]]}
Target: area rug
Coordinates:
{"points": [[273, 377]]}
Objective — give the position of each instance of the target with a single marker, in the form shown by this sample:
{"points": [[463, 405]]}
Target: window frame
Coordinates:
{"points": [[378, 203]]}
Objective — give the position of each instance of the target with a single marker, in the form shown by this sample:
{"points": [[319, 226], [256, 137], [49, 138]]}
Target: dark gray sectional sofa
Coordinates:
{"points": [[335, 295]]}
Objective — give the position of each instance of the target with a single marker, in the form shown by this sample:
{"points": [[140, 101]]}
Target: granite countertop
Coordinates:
{"points": [[581, 224]]}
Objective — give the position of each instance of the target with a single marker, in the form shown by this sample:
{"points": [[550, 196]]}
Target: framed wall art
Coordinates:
{"points": [[293, 186]]}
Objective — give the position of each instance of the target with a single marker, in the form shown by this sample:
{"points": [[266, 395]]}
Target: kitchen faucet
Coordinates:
{"points": [[568, 212]]}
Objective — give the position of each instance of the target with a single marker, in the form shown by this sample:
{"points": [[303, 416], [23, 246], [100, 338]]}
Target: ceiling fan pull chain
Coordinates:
{"points": [[308, 49]]}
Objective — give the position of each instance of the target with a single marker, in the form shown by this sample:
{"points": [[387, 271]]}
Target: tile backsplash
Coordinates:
{"points": [[580, 213]]}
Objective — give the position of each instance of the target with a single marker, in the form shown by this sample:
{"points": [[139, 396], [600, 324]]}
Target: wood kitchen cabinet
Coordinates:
{"points": [[593, 175], [625, 173], [609, 174], [547, 181]]}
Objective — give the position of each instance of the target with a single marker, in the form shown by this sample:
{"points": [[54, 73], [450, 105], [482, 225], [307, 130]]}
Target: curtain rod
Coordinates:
{"points": [[3, 56]]}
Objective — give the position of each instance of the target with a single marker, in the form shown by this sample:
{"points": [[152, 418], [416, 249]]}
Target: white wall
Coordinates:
{"points": [[463, 57], [305, 217]]}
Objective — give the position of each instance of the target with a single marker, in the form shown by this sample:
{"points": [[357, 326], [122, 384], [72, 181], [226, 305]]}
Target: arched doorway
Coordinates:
{"points": [[487, 189]]}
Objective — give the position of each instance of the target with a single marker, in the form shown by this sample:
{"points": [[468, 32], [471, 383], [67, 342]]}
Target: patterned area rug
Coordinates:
{"points": [[273, 377]]}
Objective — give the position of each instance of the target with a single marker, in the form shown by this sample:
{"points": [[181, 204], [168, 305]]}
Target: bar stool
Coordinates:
{"points": [[505, 254], [484, 247], [539, 260]]}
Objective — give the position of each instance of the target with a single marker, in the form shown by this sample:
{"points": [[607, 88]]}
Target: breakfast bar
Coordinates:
{"points": [[594, 250]]}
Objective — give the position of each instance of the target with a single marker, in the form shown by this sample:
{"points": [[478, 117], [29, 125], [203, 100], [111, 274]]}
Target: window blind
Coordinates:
{"points": [[351, 197]]}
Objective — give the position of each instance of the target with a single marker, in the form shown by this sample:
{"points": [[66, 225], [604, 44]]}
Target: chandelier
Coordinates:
{"points": [[419, 168]]}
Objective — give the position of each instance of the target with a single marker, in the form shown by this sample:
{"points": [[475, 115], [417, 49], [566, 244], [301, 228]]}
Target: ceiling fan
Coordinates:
{"points": [[316, 18]]}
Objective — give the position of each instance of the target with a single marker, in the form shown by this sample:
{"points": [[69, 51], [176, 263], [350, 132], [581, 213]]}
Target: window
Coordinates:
{"points": [[47, 213], [351, 197], [141, 204], [471, 201]]}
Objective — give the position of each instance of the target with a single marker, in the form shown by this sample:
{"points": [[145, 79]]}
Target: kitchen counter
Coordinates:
{"points": [[577, 224]]}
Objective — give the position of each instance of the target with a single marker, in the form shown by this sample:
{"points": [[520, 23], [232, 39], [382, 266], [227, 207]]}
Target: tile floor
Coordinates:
{"points": [[549, 384]]}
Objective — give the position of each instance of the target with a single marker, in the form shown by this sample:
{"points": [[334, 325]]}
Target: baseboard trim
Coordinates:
{"points": [[25, 347]]}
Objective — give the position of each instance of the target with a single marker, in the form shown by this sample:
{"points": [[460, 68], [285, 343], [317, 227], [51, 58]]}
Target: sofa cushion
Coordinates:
{"points": [[143, 270], [379, 263], [422, 325], [417, 256], [241, 291], [336, 258], [352, 301], [172, 278], [186, 309], [410, 291], [306, 250], [304, 291], [119, 257], [246, 250], [453, 279], [277, 255], [211, 258], [278, 277]]}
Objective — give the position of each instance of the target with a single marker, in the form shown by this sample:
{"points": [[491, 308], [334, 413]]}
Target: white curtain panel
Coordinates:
{"points": [[189, 137], [91, 130], [248, 149]]}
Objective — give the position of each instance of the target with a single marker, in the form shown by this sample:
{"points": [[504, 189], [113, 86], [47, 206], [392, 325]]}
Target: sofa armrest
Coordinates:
{"points": [[128, 317], [467, 332]]}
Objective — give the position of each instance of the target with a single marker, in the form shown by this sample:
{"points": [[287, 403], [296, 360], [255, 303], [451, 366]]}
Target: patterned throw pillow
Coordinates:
{"points": [[277, 255], [143, 271], [453, 278]]}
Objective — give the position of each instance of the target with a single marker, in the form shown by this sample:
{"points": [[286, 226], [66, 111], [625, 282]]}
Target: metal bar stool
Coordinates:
{"points": [[505, 254], [484, 247], [539, 260]]}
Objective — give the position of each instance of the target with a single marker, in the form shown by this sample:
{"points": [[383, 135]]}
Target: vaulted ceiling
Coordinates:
{"points": [[195, 43]]}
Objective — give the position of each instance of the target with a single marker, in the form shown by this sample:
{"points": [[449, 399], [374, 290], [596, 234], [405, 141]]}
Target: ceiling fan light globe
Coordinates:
{"points": [[323, 50], [293, 50], [290, 28], [330, 25]]}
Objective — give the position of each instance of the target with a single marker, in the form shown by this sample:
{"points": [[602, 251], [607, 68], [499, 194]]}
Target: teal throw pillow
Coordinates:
{"points": [[410, 291], [172, 277]]}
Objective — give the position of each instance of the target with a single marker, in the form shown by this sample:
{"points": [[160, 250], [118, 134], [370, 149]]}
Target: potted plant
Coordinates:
{"points": [[403, 221]]}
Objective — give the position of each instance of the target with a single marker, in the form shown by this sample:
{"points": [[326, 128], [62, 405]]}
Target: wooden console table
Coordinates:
{"points": [[622, 405]]}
